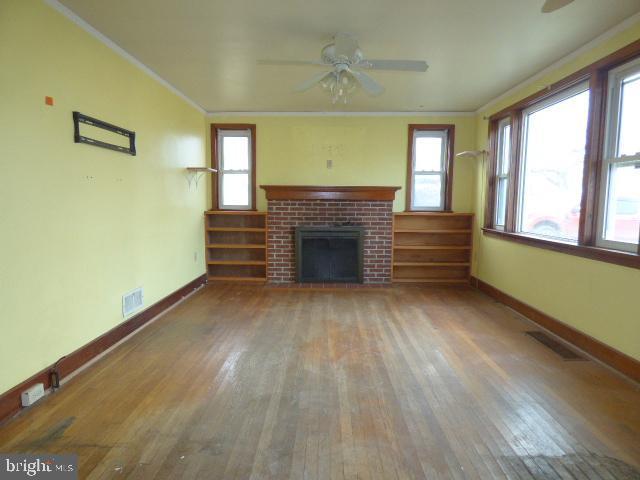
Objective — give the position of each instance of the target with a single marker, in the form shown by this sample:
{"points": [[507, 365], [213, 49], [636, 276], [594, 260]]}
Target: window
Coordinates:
{"points": [[564, 170], [553, 148], [619, 214], [429, 176], [233, 147], [502, 171]]}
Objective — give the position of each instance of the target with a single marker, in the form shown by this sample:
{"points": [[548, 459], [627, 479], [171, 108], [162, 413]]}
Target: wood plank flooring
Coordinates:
{"points": [[253, 382]]}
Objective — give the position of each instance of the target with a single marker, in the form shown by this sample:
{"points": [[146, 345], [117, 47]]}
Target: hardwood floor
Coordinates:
{"points": [[405, 382]]}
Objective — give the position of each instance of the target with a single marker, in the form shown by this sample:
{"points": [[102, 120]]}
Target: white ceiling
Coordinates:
{"points": [[476, 49]]}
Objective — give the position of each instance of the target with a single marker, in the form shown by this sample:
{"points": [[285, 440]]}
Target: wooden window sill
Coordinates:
{"points": [[417, 210], [626, 259]]}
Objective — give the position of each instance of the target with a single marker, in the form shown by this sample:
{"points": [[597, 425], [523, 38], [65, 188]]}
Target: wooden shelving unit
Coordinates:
{"points": [[432, 247], [236, 244]]}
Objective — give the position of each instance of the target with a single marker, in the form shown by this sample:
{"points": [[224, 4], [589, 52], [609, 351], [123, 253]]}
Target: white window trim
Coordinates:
{"points": [[222, 171], [498, 175], [557, 98], [442, 173], [610, 151]]}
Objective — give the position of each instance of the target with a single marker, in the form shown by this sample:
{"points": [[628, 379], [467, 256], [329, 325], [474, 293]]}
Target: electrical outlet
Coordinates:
{"points": [[329, 164], [32, 394], [195, 256]]}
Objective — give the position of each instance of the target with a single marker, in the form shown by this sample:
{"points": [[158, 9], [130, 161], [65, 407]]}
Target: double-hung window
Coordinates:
{"points": [[619, 213], [564, 170], [430, 167], [234, 158], [554, 136], [503, 157]]}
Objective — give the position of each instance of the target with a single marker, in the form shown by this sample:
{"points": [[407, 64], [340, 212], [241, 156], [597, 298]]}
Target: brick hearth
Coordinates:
{"points": [[285, 215]]}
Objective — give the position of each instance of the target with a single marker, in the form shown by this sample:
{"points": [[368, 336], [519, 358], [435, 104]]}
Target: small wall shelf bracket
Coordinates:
{"points": [[194, 174]]}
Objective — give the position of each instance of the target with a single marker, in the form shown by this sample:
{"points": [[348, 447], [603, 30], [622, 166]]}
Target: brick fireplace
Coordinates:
{"points": [[294, 206]]}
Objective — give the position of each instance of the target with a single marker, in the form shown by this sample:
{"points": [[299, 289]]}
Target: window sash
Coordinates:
{"points": [[500, 223], [222, 171], [442, 178], [617, 77], [603, 204], [502, 173], [561, 96], [611, 158], [443, 136]]}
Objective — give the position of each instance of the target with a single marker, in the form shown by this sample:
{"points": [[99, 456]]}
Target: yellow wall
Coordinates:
{"points": [[80, 225], [366, 150], [597, 298]]}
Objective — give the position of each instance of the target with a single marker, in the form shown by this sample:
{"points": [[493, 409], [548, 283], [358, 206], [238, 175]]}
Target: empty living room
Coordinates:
{"points": [[283, 239]]}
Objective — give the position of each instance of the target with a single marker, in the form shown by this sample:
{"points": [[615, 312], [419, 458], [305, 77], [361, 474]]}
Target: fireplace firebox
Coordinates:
{"points": [[329, 254]]}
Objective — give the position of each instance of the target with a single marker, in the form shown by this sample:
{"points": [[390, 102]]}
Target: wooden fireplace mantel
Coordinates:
{"points": [[316, 192]]}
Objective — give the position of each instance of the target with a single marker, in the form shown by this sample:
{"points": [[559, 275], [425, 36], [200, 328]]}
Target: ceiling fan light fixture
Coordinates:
{"points": [[328, 82], [340, 85], [346, 60]]}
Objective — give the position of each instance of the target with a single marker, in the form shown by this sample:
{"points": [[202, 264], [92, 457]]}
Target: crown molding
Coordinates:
{"points": [[56, 5], [599, 40], [340, 114]]}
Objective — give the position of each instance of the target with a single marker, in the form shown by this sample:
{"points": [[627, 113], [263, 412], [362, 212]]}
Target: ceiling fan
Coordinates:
{"points": [[553, 5], [346, 62]]}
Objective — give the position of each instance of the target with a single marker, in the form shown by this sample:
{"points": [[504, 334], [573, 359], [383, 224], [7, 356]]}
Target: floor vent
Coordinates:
{"points": [[132, 301], [556, 346]]}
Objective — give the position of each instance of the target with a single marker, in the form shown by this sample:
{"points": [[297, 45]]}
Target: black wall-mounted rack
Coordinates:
{"points": [[79, 118]]}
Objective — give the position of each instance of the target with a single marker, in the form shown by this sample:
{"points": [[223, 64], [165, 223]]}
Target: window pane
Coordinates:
{"points": [[553, 159], [235, 189], [235, 153], [427, 191], [622, 218], [502, 201], [502, 181], [428, 154], [629, 143], [505, 150]]}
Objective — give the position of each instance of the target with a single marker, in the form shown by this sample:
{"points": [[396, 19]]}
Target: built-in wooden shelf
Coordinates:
{"points": [[236, 244], [432, 247], [431, 264], [428, 214], [234, 212], [237, 279], [235, 229], [416, 230], [236, 262], [447, 281]]}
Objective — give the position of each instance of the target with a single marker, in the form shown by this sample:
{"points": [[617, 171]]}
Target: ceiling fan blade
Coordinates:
{"points": [[291, 62], [553, 5], [312, 81], [367, 83], [345, 45], [403, 65]]}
